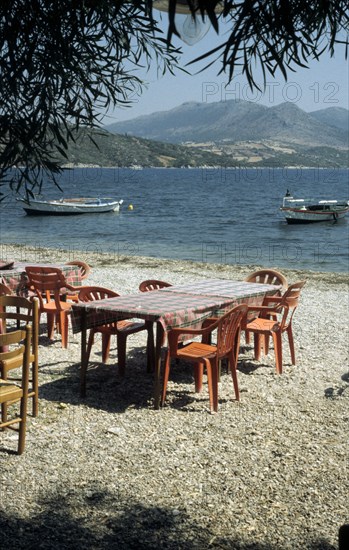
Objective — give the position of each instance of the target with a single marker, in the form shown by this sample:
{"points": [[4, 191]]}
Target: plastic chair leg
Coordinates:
{"points": [[198, 374], [232, 366], [166, 377], [291, 344], [105, 347], [50, 325], [278, 350], [214, 374], [257, 346], [63, 323], [209, 368]]}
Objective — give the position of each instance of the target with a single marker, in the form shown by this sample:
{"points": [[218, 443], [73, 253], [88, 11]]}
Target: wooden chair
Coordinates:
{"points": [[122, 329], [208, 355], [18, 356], [266, 327], [47, 283], [152, 284], [18, 311]]}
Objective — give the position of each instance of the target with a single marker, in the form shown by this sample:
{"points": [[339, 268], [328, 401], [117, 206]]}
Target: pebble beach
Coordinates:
{"points": [[108, 471]]}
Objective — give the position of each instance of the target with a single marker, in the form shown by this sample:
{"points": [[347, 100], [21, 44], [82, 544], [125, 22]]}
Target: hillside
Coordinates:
{"points": [[115, 150], [238, 121]]}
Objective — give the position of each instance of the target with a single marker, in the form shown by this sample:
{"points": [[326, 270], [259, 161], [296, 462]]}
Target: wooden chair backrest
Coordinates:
{"points": [[19, 355], [23, 311]]}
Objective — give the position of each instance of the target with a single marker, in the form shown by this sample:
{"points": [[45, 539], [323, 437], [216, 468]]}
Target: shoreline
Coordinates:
{"points": [[37, 254]]}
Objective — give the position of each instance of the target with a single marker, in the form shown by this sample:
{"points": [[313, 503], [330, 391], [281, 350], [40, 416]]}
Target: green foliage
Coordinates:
{"points": [[63, 63]]}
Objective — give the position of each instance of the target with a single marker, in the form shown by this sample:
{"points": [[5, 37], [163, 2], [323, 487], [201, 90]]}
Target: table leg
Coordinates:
{"points": [[157, 370], [83, 354]]}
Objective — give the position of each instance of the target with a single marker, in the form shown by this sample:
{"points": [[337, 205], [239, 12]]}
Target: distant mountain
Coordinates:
{"points": [[235, 121], [333, 116]]}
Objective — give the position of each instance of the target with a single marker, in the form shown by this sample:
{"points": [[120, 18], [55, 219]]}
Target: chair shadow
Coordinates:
{"points": [[105, 389]]}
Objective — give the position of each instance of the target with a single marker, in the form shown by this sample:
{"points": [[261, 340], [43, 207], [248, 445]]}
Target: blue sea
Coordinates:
{"points": [[215, 215]]}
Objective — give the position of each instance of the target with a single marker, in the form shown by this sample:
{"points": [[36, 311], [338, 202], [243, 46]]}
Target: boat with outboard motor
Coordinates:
{"points": [[310, 210]]}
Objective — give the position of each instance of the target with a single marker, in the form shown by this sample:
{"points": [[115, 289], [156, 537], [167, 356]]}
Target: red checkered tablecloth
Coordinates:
{"points": [[16, 277], [177, 306]]}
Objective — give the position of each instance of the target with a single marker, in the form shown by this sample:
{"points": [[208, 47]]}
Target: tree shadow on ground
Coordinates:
{"points": [[102, 519]]}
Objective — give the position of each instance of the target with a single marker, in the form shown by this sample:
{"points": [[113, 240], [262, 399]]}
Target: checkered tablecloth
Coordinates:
{"points": [[225, 287], [16, 277], [179, 307]]}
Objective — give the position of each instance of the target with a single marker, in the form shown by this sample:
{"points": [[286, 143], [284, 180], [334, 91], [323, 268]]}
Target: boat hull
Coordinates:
{"points": [[294, 216], [69, 207]]}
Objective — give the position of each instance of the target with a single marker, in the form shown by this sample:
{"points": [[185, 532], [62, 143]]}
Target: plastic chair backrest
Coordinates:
{"points": [[91, 293], [228, 329], [289, 303], [268, 276], [83, 266], [47, 283], [152, 284]]}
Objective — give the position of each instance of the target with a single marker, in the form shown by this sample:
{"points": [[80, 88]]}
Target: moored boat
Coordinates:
{"points": [[310, 210], [63, 207]]}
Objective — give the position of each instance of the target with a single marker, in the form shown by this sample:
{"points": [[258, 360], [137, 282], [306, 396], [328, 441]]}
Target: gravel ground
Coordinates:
{"points": [[108, 471]]}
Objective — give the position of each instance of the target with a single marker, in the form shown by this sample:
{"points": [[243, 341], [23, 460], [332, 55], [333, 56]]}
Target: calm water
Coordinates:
{"points": [[216, 215]]}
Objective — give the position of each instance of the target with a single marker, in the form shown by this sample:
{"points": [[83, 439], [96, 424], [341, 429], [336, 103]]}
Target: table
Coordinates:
{"points": [[177, 306], [16, 278]]}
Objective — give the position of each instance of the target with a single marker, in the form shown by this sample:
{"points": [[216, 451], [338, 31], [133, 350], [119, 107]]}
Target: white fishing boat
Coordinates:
{"points": [[310, 210], [64, 207]]}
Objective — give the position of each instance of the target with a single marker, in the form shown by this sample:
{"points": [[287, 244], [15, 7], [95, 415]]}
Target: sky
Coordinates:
{"points": [[323, 84]]}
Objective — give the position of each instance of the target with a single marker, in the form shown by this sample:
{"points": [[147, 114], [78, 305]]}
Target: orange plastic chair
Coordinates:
{"points": [[122, 329], [18, 345], [83, 266], [266, 327], [24, 312], [269, 277], [202, 354], [148, 286], [85, 270], [152, 284], [47, 283], [5, 290]]}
